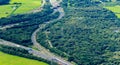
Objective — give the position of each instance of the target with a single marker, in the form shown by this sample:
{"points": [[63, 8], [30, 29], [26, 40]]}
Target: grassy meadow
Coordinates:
{"points": [[115, 9], [6, 59], [25, 6]]}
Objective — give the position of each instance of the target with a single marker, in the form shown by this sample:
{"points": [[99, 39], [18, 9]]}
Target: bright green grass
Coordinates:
{"points": [[115, 9], [27, 5], [4, 10], [6, 59]]}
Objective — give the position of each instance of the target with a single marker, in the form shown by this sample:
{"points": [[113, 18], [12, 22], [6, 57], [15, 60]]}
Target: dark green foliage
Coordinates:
{"points": [[21, 35], [88, 35], [28, 23], [25, 17], [2, 2]]}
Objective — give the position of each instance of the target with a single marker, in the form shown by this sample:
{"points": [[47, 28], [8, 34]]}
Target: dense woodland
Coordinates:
{"points": [[4, 2], [88, 34], [28, 23]]}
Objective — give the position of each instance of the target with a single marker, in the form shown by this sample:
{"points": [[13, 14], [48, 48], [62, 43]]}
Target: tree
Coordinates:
{"points": [[4, 2]]}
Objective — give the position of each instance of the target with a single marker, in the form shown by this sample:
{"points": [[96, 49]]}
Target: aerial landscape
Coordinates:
{"points": [[59, 32]]}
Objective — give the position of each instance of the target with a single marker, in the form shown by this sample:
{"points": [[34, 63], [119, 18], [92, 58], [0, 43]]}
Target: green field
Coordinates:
{"points": [[115, 9], [6, 59], [25, 6]]}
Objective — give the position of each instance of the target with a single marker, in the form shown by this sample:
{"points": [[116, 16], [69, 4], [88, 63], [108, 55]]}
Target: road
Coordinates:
{"points": [[42, 52], [30, 50], [33, 11], [48, 55], [8, 26]]}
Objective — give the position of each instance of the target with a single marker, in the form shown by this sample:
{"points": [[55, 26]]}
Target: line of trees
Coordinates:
{"points": [[2, 2]]}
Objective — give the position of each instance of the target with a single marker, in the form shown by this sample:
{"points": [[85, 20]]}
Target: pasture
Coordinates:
{"points": [[115, 9], [19, 7], [6, 59]]}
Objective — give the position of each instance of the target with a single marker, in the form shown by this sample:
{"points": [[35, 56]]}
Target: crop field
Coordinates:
{"points": [[115, 9], [18, 7], [6, 59]]}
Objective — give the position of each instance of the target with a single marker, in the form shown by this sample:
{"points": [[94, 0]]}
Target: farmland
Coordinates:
{"points": [[115, 9], [11, 60], [18, 7]]}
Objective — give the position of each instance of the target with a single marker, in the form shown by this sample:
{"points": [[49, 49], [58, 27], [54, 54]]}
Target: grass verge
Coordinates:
{"points": [[7, 59]]}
